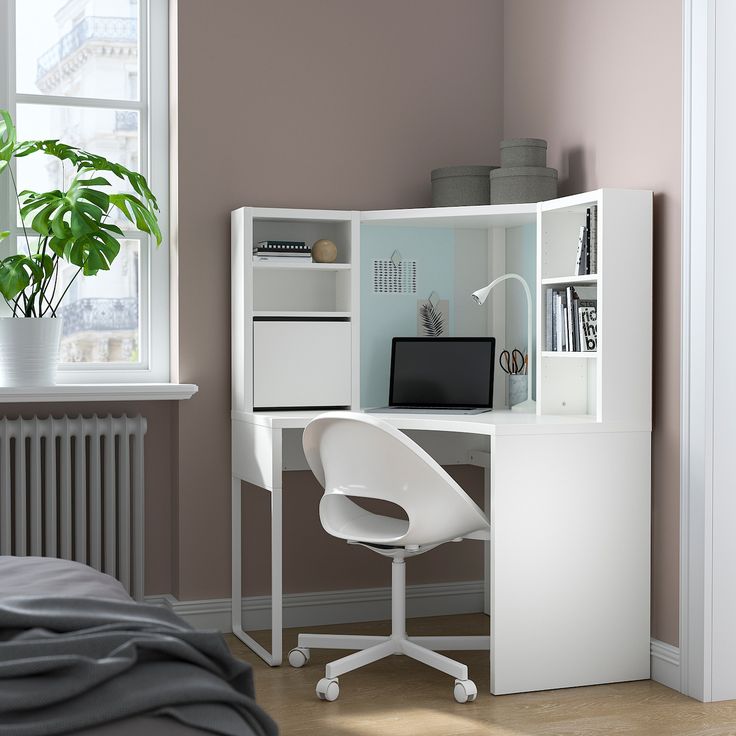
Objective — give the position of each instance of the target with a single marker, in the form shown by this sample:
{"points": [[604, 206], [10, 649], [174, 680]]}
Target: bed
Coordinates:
{"points": [[79, 656]]}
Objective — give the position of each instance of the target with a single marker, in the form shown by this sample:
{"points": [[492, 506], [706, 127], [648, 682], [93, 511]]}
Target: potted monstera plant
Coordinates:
{"points": [[74, 224]]}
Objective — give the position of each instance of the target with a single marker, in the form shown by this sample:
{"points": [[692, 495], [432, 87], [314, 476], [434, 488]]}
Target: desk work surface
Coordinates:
{"points": [[497, 422]]}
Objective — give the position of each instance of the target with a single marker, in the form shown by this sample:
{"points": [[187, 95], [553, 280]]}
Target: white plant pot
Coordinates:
{"points": [[29, 350]]}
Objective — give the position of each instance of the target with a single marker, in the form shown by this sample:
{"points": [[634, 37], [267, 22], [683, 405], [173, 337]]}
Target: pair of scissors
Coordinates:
{"points": [[513, 362]]}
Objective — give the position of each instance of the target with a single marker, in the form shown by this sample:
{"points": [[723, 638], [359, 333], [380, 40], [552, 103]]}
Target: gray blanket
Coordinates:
{"points": [[68, 663]]}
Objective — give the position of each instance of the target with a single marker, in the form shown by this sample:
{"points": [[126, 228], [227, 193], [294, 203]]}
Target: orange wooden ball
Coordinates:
{"points": [[324, 251]]}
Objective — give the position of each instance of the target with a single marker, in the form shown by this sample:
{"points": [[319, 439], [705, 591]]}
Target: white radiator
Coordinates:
{"points": [[73, 488]]}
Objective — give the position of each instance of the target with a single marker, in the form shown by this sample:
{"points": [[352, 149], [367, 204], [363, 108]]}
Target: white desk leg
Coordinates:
{"points": [[277, 545], [236, 613], [274, 657]]}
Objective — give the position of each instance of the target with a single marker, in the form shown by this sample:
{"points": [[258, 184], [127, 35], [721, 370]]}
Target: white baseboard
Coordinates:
{"points": [[665, 664], [331, 607], [372, 604]]}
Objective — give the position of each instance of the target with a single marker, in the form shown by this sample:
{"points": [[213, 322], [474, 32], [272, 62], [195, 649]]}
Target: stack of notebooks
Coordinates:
{"points": [[572, 322], [279, 250], [586, 261]]}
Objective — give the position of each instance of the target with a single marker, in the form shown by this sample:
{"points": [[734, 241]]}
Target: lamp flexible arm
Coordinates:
{"points": [[482, 294]]}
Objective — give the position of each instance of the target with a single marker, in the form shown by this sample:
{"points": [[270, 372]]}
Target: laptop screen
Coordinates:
{"points": [[442, 372]]}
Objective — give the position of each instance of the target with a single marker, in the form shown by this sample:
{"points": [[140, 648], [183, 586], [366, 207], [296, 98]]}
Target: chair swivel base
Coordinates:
{"points": [[373, 648]]}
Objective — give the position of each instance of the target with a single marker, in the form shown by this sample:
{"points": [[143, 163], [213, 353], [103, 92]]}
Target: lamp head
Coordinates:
{"points": [[480, 296]]}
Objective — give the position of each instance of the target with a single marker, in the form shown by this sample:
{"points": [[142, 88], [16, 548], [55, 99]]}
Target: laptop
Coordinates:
{"points": [[441, 375]]}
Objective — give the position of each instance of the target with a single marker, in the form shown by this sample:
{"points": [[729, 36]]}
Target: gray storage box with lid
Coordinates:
{"points": [[523, 184], [454, 186], [523, 152]]}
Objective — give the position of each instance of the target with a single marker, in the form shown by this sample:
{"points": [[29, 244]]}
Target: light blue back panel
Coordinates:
{"points": [[384, 316], [529, 269], [529, 272]]}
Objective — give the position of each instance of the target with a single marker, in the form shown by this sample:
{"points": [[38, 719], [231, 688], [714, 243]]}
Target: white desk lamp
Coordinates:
{"points": [[480, 296]]}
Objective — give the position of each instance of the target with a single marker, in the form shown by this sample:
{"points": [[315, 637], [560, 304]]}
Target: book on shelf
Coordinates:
{"points": [[560, 339], [282, 257], [570, 322], [282, 247], [549, 321], [588, 325], [586, 257], [593, 209], [581, 263]]}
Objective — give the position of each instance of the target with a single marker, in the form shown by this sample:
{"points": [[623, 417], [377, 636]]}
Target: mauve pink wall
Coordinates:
{"points": [[343, 104], [316, 561], [349, 104], [602, 82]]}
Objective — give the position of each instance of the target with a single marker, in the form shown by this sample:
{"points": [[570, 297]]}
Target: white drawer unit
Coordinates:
{"points": [[299, 363]]}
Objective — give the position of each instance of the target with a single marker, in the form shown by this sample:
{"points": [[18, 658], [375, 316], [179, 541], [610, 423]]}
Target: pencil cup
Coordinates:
{"points": [[517, 388]]}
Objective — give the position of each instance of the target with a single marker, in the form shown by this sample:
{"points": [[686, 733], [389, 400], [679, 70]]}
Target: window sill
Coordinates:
{"points": [[100, 392]]}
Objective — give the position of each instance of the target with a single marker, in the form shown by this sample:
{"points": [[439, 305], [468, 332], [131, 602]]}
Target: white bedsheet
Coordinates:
{"points": [[21, 576]]}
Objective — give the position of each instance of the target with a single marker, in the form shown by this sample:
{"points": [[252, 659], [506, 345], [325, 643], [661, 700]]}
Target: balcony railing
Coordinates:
{"points": [[90, 28], [126, 121], [97, 315]]}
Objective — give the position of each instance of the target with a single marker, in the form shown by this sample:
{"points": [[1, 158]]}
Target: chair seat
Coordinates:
{"points": [[365, 526]]}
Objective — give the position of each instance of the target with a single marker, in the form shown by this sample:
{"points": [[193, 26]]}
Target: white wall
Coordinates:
{"points": [[708, 609], [724, 358]]}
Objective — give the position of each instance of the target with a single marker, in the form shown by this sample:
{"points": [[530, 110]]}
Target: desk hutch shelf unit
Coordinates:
{"points": [[612, 383], [299, 340], [560, 483]]}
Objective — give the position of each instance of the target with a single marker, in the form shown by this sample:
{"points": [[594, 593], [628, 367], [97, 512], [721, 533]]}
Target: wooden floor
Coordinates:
{"points": [[400, 697]]}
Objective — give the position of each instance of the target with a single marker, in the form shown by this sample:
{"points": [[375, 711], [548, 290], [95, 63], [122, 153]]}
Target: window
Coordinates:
{"points": [[93, 73]]}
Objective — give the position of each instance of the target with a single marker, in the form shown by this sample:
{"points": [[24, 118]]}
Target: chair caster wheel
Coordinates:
{"points": [[298, 657], [328, 689], [465, 691]]}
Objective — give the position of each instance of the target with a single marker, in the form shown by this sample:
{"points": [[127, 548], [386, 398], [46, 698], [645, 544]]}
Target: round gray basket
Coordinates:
{"points": [[523, 184], [454, 186], [523, 152]]}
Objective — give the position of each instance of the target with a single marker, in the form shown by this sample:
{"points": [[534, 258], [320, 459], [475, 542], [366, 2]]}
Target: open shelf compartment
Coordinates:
{"points": [[559, 233], [569, 386], [295, 290], [309, 231], [292, 285]]}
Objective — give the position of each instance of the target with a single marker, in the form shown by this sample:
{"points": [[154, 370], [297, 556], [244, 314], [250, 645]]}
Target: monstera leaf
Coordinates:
{"points": [[136, 212], [83, 161], [18, 273], [75, 223]]}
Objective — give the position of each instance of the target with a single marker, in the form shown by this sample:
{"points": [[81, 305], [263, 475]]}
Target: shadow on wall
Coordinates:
{"points": [[661, 204], [576, 168]]}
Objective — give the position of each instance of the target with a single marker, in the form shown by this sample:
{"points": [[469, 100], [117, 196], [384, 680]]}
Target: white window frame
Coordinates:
{"points": [[153, 110]]}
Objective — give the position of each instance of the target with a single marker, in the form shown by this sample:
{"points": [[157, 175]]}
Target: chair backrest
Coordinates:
{"points": [[353, 454]]}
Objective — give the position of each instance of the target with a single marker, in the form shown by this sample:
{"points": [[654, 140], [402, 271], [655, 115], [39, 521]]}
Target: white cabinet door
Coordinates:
{"points": [[300, 363]]}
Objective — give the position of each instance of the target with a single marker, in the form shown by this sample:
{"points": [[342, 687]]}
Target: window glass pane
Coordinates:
{"points": [[79, 48], [101, 314], [109, 133]]}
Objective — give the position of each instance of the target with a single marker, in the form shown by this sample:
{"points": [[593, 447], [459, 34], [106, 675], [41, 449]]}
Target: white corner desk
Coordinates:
{"points": [[567, 488], [568, 562]]}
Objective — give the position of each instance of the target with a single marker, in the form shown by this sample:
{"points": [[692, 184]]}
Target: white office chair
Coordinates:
{"points": [[359, 455]]}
